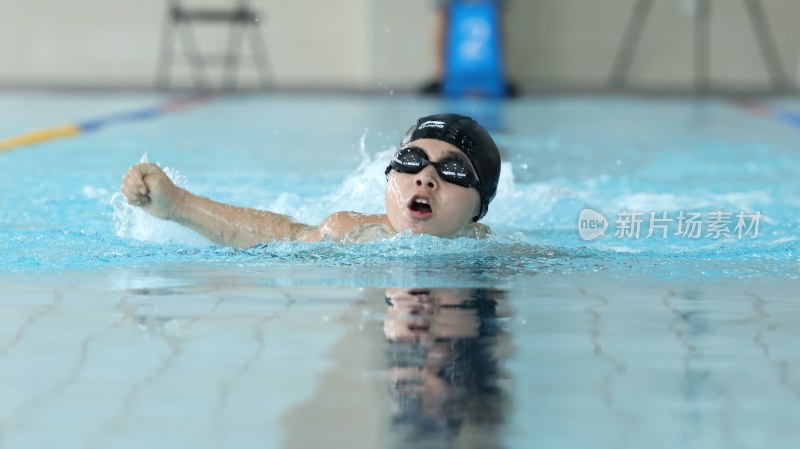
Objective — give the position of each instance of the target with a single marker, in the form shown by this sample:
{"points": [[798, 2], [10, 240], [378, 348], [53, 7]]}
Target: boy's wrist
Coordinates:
{"points": [[177, 212]]}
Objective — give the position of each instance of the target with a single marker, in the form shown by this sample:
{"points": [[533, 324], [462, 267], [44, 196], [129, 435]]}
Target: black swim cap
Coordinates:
{"points": [[468, 136]]}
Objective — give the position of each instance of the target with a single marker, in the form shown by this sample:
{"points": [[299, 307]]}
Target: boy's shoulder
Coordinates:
{"points": [[475, 231], [337, 225], [352, 227]]}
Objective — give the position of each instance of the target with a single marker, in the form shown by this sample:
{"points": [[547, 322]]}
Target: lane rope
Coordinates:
{"points": [[764, 110], [75, 129]]}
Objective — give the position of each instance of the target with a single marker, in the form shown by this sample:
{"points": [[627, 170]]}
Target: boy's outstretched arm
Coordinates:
{"points": [[147, 186]]}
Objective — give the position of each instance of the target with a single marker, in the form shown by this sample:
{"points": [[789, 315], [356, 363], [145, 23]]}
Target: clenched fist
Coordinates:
{"points": [[147, 186]]}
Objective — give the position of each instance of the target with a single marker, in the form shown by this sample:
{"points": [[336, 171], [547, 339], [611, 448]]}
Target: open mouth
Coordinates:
{"points": [[420, 207], [418, 326]]}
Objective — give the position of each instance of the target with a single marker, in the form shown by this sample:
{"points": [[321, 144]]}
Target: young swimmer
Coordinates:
{"points": [[440, 182]]}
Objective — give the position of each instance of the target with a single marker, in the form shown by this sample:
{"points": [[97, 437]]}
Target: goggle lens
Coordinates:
{"points": [[453, 169]]}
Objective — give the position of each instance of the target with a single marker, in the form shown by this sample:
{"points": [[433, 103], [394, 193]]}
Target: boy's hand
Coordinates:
{"points": [[147, 186]]}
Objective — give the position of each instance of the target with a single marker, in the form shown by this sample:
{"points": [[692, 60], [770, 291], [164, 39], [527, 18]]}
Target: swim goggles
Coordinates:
{"points": [[453, 169]]}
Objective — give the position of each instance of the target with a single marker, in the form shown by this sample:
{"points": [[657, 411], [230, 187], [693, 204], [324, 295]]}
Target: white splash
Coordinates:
{"points": [[134, 223], [361, 191]]}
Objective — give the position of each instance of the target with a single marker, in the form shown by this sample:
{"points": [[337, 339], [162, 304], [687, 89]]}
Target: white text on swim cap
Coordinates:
{"points": [[431, 124]]}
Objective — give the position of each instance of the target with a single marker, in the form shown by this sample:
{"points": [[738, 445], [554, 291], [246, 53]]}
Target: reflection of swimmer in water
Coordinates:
{"points": [[440, 182], [444, 367]]}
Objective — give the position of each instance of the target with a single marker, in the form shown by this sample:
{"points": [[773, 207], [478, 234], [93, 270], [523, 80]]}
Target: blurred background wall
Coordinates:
{"points": [[383, 45]]}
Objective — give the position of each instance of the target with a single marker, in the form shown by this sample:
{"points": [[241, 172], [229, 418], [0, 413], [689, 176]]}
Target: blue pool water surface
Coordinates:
{"points": [[119, 330]]}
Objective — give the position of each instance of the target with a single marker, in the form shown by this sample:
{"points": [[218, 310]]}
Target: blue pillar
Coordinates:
{"points": [[473, 53]]}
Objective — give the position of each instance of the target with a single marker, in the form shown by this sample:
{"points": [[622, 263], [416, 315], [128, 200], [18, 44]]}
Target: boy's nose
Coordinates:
{"points": [[427, 177]]}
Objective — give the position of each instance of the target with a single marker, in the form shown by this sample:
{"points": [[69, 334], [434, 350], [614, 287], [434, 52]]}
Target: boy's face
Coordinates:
{"points": [[426, 204]]}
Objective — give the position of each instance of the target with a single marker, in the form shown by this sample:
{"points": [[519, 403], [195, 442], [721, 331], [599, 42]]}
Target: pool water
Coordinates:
{"points": [[119, 330]]}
